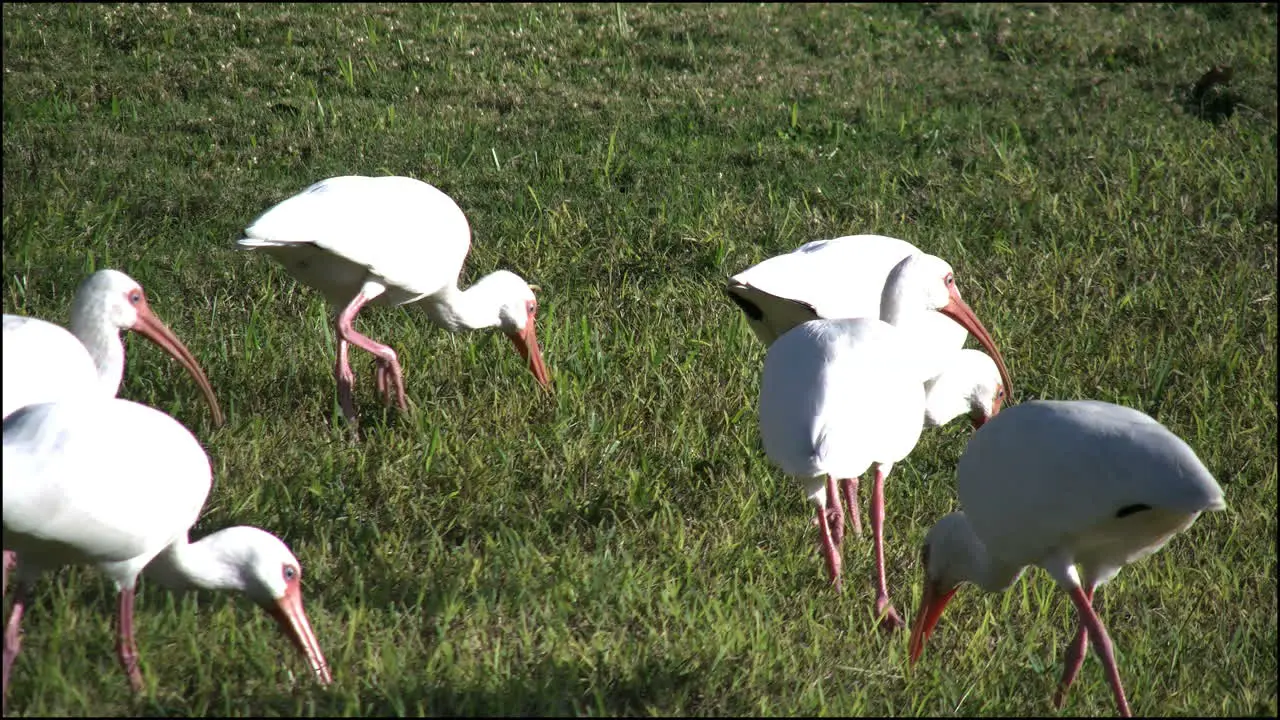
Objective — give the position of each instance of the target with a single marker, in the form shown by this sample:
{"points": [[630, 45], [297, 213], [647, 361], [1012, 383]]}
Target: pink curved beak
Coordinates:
{"points": [[150, 327], [957, 309], [931, 607], [526, 342], [293, 621]]}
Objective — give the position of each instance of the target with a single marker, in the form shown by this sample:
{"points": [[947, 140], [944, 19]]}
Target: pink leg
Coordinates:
{"points": [[889, 619], [10, 560], [829, 549], [835, 512], [1074, 657], [1101, 645], [346, 379], [388, 365], [125, 646], [851, 497], [833, 515], [13, 635]]}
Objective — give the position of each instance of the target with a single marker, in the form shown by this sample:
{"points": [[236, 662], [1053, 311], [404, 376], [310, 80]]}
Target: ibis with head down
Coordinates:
{"points": [[1080, 488]]}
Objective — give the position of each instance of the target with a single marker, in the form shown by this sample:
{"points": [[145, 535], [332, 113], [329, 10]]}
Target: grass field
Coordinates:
{"points": [[623, 546]]}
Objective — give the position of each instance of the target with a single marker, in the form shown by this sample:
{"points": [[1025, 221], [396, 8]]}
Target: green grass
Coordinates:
{"points": [[623, 546]]}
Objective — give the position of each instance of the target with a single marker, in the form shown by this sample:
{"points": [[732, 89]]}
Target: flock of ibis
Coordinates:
{"points": [[865, 339]]}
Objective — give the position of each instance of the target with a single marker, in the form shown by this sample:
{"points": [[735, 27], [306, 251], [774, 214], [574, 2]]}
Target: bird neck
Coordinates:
{"points": [[902, 307], [103, 342], [970, 561], [210, 563], [477, 307]]}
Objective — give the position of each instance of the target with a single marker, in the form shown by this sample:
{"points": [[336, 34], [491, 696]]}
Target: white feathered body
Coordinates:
{"points": [[340, 232], [1092, 481], [837, 396], [830, 279], [44, 362], [75, 491]]}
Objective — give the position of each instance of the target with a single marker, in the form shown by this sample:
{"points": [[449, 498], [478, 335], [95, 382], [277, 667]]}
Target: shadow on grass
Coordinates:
{"points": [[1209, 101], [546, 688]]}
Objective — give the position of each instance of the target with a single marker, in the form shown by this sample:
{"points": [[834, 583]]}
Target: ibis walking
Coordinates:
{"points": [[391, 241], [1080, 488], [114, 484], [840, 395]]}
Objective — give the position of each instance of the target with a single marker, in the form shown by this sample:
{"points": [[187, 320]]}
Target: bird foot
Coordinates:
{"points": [[390, 380], [890, 621], [346, 400], [835, 520]]}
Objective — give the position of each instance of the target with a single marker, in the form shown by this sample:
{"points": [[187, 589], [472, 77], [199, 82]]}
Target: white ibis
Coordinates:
{"points": [[840, 395], [391, 241], [842, 277], [115, 484], [44, 362], [970, 384], [1080, 488]]}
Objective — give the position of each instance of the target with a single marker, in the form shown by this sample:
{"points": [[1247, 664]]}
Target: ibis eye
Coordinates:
{"points": [[290, 573], [951, 279], [135, 297]]}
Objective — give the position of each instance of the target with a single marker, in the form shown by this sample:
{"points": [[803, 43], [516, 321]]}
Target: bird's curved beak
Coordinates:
{"points": [[150, 327], [957, 309], [293, 621], [931, 607], [526, 342]]}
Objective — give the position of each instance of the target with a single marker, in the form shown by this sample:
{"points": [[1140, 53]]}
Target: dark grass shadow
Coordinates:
{"points": [[1209, 100], [545, 688]]}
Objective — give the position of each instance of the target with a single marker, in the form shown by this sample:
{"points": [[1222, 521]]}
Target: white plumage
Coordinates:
{"points": [[970, 384], [115, 484], [838, 396], [842, 277], [1080, 488], [391, 241], [44, 362]]}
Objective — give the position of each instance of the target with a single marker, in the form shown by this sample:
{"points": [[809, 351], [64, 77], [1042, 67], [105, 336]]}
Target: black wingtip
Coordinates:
{"points": [[752, 310]]}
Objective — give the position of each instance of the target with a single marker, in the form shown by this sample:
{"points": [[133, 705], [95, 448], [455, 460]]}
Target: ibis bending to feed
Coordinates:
{"points": [[1080, 488], [111, 483], [840, 395], [391, 241], [44, 362]]}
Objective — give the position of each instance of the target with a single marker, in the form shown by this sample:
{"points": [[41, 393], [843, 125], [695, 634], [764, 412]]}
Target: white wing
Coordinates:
{"points": [[99, 480], [838, 278], [1044, 475], [402, 230], [44, 362]]}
